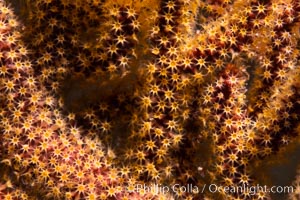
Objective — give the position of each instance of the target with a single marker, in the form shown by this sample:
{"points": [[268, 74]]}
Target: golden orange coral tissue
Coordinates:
{"points": [[157, 101]]}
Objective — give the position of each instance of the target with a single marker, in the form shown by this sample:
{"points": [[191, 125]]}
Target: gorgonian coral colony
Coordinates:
{"points": [[100, 96]]}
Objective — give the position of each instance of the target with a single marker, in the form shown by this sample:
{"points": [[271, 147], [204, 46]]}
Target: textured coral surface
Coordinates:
{"points": [[100, 97]]}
